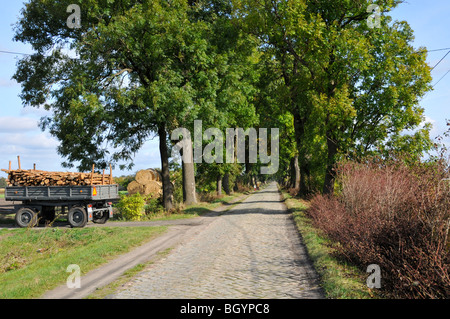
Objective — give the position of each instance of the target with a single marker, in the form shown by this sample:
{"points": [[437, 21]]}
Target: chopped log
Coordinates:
{"points": [[92, 174], [41, 178]]}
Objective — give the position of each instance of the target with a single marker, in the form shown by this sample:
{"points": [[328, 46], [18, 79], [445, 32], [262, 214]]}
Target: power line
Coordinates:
{"points": [[441, 78], [440, 61], [438, 50], [16, 53], [435, 50]]}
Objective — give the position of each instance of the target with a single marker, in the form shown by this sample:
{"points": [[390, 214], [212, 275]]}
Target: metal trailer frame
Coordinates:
{"points": [[83, 203]]}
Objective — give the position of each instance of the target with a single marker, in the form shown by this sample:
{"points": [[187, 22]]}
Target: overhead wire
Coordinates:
{"points": [[440, 61], [434, 50], [16, 53], [441, 78]]}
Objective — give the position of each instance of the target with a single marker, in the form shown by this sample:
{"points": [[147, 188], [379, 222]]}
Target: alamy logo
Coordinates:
{"points": [[374, 20], [74, 20], [234, 145], [374, 279], [74, 280]]}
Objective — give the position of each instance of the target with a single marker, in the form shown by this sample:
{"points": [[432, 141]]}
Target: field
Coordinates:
{"points": [[33, 261]]}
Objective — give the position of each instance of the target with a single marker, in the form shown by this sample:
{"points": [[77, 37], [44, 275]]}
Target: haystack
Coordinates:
{"points": [[147, 182]]}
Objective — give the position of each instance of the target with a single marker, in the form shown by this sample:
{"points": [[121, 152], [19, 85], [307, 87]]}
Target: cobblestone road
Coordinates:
{"points": [[251, 251]]}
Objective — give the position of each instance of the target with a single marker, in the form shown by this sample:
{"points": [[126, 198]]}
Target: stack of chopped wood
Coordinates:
{"points": [[34, 177], [147, 182], [31, 177]]}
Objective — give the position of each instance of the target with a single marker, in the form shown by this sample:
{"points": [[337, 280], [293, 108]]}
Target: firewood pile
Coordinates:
{"points": [[33, 177], [147, 182]]}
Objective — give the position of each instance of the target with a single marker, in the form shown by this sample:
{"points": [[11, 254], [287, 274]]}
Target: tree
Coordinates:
{"points": [[361, 86], [140, 69], [3, 183], [237, 75]]}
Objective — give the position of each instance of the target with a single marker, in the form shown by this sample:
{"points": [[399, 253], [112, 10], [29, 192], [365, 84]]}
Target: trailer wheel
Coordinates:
{"points": [[26, 217], [77, 217]]}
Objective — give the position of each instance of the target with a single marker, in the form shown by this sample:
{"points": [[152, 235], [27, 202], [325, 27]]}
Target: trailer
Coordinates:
{"points": [[81, 203]]}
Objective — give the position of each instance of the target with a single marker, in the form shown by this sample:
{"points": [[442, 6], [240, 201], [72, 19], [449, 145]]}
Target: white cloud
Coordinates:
{"points": [[32, 147], [28, 141], [10, 124]]}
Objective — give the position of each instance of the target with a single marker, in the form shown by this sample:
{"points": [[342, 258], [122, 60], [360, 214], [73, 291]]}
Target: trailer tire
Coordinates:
{"points": [[77, 217], [26, 217]]}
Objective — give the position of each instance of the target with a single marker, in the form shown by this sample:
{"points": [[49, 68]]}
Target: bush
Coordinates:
{"points": [[394, 215], [153, 206], [123, 181], [3, 183], [131, 207]]}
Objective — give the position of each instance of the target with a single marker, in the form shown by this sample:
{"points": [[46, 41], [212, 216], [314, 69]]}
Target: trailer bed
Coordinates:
{"points": [[62, 193]]}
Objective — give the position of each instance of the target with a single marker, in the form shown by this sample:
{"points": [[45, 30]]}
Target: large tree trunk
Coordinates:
{"points": [[167, 185], [226, 183], [304, 174], [189, 196], [328, 185], [219, 185], [299, 132], [296, 177]]}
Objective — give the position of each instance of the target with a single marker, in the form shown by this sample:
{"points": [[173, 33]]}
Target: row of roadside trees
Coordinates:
{"points": [[334, 85]]}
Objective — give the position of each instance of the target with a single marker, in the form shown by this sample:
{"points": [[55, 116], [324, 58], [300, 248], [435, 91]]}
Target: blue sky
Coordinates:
{"points": [[20, 135]]}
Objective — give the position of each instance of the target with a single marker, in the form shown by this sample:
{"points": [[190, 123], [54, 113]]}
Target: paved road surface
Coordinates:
{"points": [[251, 251]]}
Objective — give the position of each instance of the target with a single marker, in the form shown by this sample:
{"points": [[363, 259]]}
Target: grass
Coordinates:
{"points": [[33, 261], [339, 279], [112, 288]]}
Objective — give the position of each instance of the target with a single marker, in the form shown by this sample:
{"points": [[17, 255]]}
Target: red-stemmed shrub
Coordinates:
{"points": [[396, 215]]}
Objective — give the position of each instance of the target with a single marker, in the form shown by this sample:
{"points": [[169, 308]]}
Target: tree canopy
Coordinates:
{"points": [[333, 83]]}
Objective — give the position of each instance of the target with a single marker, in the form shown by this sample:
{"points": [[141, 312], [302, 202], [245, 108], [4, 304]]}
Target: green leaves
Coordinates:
{"points": [[313, 68], [347, 86]]}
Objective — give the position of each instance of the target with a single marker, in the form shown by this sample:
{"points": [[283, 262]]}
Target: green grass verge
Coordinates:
{"points": [[339, 279], [33, 261]]}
